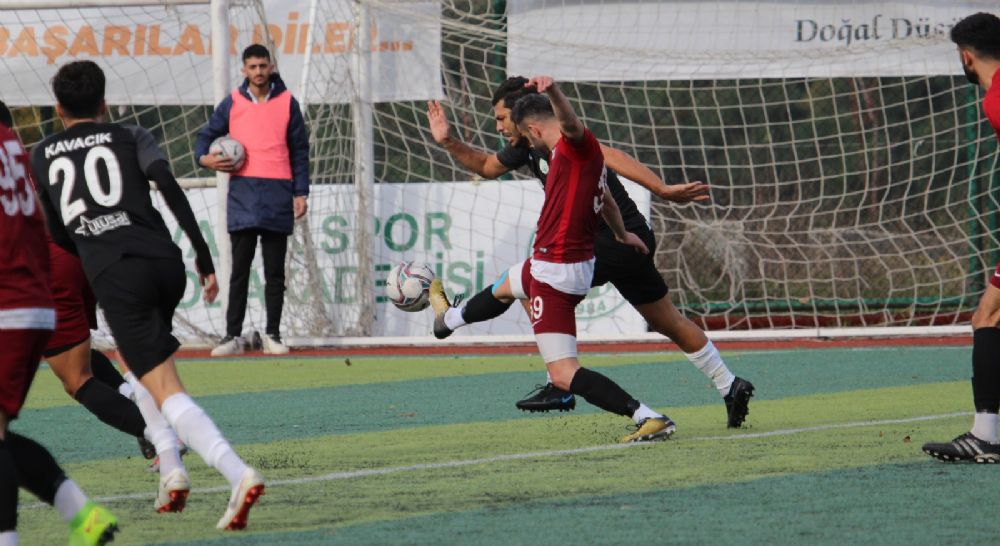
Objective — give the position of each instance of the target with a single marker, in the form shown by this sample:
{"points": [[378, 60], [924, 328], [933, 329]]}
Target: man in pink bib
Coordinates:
{"points": [[267, 193]]}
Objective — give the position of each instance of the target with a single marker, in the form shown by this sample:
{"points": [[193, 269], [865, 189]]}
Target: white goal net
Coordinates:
{"points": [[852, 172]]}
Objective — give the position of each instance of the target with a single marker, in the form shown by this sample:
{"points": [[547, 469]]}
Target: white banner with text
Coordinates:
{"points": [[580, 40], [162, 54]]}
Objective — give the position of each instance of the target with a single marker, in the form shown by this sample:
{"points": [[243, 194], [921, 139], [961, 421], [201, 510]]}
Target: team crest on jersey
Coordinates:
{"points": [[103, 224], [543, 166]]}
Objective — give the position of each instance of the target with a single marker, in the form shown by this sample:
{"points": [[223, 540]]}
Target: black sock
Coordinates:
{"points": [[602, 392], [8, 490], [484, 306], [111, 407], [104, 370], [986, 369], [37, 471]]}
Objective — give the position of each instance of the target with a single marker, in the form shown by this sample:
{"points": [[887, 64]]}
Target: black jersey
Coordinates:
{"points": [[93, 181], [515, 157]]}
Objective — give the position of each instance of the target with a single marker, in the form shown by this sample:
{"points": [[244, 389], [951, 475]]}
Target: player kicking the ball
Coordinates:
{"points": [[93, 182], [634, 275], [558, 275]]}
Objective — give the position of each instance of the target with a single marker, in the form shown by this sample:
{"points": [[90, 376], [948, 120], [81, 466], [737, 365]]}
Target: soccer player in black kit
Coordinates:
{"points": [[93, 181]]}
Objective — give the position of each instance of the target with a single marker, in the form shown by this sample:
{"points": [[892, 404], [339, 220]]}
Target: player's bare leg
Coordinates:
{"points": [[980, 444], [196, 429], [73, 368], [664, 318]]}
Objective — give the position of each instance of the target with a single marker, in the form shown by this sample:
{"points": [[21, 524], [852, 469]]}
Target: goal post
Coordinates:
{"points": [[853, 178]]}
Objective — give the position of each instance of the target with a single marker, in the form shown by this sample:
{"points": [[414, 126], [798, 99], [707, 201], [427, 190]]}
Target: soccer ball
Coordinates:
{"points": [[227, 146], [408, 286]]}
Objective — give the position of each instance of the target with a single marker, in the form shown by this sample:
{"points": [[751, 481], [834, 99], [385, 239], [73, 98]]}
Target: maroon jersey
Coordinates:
{"points": [[25, 301], [991, 103], [574, 194]]}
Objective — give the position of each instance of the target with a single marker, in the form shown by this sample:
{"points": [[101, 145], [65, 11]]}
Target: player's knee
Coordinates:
{"points": [[984, 319], [562, 373]]}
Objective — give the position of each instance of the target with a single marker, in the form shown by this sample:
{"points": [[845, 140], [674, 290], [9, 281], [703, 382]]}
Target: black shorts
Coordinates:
{"points": [[139, 296], [633, 274]]}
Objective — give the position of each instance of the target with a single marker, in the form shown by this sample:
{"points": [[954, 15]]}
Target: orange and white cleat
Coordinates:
{"points": [[244, 496], [173, 493]]}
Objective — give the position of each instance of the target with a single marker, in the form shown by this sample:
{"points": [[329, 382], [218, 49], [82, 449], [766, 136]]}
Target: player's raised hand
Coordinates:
{"points": [[210, 287], [541, 83], [438, 121], [634, 241], [685, 193]]}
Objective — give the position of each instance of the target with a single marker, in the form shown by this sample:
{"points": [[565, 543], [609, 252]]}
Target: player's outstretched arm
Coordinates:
{"points": [[478, 161], [630, 167], [569, 124], [613, 216]]}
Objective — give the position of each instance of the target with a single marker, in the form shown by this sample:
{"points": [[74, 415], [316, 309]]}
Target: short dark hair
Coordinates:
{"points": [[981, 32], [79, 88], [5, 117], [256, 50], [509, 86], [534, 105]]}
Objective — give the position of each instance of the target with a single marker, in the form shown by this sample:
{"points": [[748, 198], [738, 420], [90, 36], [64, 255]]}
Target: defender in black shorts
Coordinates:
{"points": [[93, 181], [634, 275]]}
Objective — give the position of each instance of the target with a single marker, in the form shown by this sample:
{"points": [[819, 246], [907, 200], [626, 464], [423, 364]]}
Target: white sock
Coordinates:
{"points": [[198, 431], [984, 427], [158, 431], [69, 499], [643, 413], [453, 317], [709, 361], [126, 389], [8, 538], [548, 377]]}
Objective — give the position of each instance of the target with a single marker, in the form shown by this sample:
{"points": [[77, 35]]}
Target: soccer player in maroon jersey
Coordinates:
{"points": [[978, 40], [635, 276], [27, 318], [558, 275]]}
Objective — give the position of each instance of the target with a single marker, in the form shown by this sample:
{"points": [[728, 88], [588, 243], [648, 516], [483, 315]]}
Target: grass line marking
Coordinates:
{"points": [[351, 474]]}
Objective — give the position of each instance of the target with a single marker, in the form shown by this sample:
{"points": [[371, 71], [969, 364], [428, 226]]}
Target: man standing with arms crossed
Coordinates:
{"points": [[978, 40], [266, 194]]}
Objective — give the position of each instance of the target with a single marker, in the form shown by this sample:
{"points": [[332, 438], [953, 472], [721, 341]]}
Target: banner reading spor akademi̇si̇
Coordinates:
{"points": [[162, 54], [618, 40]]}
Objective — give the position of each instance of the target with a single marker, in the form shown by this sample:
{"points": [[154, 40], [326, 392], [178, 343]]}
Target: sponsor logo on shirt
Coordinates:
{"points": [[102, 224]]}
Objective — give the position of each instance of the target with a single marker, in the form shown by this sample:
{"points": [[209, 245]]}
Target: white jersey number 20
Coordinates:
{"points": [[64, 166]]}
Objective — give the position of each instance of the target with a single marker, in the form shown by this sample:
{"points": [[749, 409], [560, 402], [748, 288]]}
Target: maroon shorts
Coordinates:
{"points": [[995, 278], [22, 349], [551, 311], [76, 306]]}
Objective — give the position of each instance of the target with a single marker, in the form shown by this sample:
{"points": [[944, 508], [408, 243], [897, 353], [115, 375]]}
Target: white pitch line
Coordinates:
{"points": [[347, 475]]}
